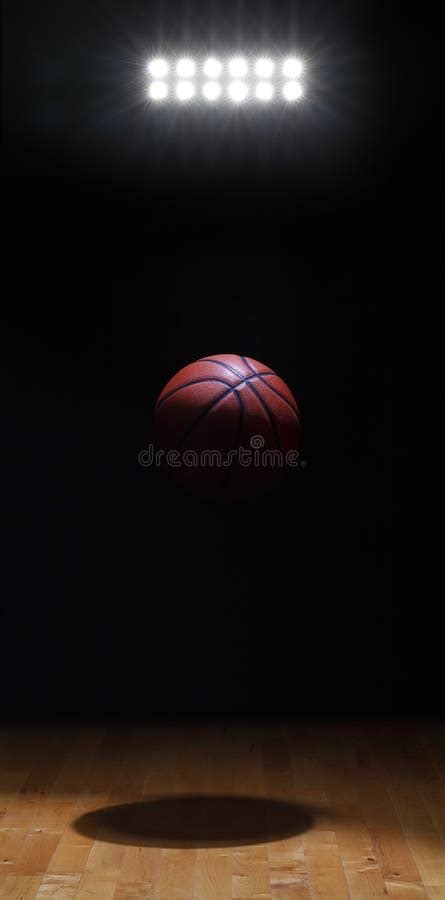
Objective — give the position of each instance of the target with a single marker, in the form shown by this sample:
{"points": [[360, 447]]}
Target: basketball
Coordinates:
{"points": [[227, 427]]}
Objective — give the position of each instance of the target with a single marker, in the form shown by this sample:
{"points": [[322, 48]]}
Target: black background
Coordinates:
{"points": [[138, 240]]}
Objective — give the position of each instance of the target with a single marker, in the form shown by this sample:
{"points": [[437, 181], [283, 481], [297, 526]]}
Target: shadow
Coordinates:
{"points": [[188, 820]]}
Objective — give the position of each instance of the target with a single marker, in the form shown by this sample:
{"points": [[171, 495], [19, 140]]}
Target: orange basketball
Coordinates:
{"points": [[228, 425]]}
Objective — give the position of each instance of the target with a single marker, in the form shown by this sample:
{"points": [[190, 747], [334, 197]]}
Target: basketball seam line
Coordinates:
{"points": [[244, 360], [188, 384], [279, 394], [232, 388], [269, 415], [202, 381], [260, 376], [271, 387], [265, 406], [218, 362], [215, 402], [239, 430]]}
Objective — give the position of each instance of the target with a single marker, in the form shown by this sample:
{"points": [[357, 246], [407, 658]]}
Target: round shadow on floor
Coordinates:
{"points": [[189, 820]]}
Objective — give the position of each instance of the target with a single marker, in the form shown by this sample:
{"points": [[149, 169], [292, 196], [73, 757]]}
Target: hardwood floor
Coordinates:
{"points": [[224, 812]]}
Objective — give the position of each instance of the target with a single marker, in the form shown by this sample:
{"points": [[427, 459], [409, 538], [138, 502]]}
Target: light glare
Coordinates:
{"points": [[212, 67], [186, 67], [238, 91], [292, 91], [158, 68], [238, 67], [185, 90], [214, 79], [158, 90], [211, 90], [292, 67], [264, 67], [264, 91]]}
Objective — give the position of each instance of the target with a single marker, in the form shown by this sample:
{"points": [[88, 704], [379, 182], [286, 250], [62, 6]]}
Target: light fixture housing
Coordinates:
{"points": [[216, 80]]}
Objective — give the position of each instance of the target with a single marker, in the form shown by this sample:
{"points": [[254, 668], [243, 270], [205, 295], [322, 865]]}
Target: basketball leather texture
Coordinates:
{"points": [[227, 403]]}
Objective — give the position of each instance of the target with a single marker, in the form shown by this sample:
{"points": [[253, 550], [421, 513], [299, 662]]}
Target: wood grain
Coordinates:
{"points": [[373, 797]]}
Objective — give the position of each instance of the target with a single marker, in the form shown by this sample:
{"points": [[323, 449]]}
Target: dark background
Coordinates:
{"points": [[138, 240]]}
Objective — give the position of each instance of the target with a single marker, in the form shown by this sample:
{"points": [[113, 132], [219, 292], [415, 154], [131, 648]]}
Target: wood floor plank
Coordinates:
{"points": [[410, 808], [406, 891], [77, 765], [71, 836], [64, 887], [213, 875], [102, 869], [139, 871], [21, 887], [429, 853], [394, 856], [95, 780], [434, 798], [250, 872], [93, 885], [287, 865], [36, 852], [11, 844], [134, 890], [309, 775], [365, 882], [176, 873], [388, 839], [11, 780], [275, 748], [375, 794], [54, 814], [401, 755], [68, 859], [21, 813], [248, 765], [290, 893], [326, 875], [363, 874]]}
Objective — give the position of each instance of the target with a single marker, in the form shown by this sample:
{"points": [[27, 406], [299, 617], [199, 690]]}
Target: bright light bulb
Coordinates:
{"points": [[185, 90], [292, 67], [211, 90], [212, 68], [158, 90], [158, 68], [264, 67], [238, 91], [264, 91], [186, 68], [292, 91], [238, 67]]}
